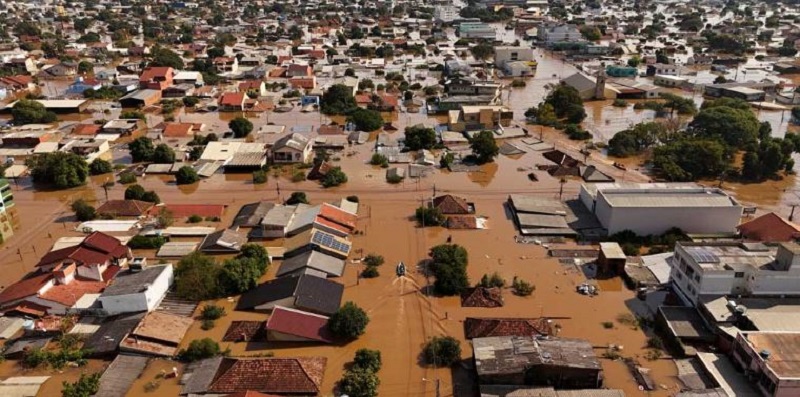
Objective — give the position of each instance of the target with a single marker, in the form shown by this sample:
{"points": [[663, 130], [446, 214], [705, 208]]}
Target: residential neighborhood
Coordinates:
{"points": [[408, 198]]}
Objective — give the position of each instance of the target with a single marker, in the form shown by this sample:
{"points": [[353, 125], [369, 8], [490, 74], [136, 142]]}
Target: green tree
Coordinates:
{"points": [[366, 119], [359, 383], [449, 265], [368, 360], [338, 99], [85, 67], [297, 198], [166, 57], [442, 351], [239, 275], [141, 149], [134, 192], [200, 349], [28, 111], [482, 51], [99, 167], [197, 277], [484, 147], [83, 210], [735, 127], [186, 176], [691, 159], [61, 170], [349, 322], [591, 33], [418, 137], [241, 127], [257, 253], [334, 177], [163, 154], [429, 216], [636, 139], [86, 386], [567, 103], [678, 103]]}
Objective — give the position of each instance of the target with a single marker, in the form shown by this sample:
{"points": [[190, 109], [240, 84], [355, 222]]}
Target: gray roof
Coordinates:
{"points": [[672, 199], [140, 94], [20, 345], [517, 354], [247, 159], [279, 215], [198, 375], [129, 282], [536, 205], [225, 239], [9, 326], [108, 337], [177, 248], [329, 265], [304, 217], [292, 140], [250, 215], [685, 322], [120, 375], [533, 221]]}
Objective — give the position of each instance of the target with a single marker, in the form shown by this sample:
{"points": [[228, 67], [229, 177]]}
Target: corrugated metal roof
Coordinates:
{"points": [[675, 199]]}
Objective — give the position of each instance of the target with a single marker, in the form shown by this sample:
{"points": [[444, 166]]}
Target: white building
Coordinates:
{"points": [[654, 208], [445, 13], [556, 33], [734, 268], [505, 54], [137, 291]]}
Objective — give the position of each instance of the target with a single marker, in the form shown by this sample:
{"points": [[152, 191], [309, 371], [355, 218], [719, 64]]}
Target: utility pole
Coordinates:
{"points": [[791, 215], [561, 188], [437, 388]]}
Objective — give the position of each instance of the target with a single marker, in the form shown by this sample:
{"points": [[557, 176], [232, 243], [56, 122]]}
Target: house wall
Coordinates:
{"points": [[286, 302], [657, 220], [281, 337], [144, 301], [92, 272], [759, 374]]}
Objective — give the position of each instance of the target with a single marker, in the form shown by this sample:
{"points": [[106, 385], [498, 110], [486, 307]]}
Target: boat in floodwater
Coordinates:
{"points": [[400, 269]]}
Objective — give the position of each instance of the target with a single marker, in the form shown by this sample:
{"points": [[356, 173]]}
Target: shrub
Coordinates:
{"points": [[370, 272], [349, 321], [99, 167], [186, 176], [207, 324], [259, 177], [495, 280], [86, 385], [195, 219], [522, 287], [359, 383], [199, 349], [334, 177], [212, 312], [620, 103], [379, 159], [655, 342], [607, 324], [127, 177], [518, 83], [428, 216], [352, 199], [368, 360], [146, 242], [442, 351], [83, 211], [297, 198], [373, 260], [298, 176], [394, 179]]}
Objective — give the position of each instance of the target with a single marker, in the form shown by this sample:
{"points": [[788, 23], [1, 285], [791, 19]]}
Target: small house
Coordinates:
{"points": [[232, 101], [292, 148], [225, 241], [305, 292], [292, 325], [137, 290]]}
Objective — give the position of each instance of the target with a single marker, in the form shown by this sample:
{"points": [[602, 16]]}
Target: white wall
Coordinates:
{"points": [[657, 220], [142, 301]]}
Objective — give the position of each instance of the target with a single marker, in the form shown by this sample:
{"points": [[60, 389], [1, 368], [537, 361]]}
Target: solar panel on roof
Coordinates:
{"points": [[327, 240], [702, 255]]}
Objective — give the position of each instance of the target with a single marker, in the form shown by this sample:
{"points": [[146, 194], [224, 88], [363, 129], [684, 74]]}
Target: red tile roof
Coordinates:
{"points": [[27, 308], [232, 99], [177, 130], [250, 85], [485, 327], [68, 294], [338, 215], [769, 228], [155, 72], [95, 249], [187, 210], [363, 99], [245, 331], [87, 129], [482, 297], [449, 204], [270, 375], [24, 288], [299, 323], [250, 393], [125, 207]]}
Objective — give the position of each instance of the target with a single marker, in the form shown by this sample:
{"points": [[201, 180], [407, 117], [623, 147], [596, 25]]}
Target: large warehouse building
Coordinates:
{"points": [[653, 208]]}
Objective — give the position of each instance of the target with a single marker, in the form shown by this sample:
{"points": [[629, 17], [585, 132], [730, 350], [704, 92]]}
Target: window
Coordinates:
{"points": [[738, 274], [697, 278]]}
